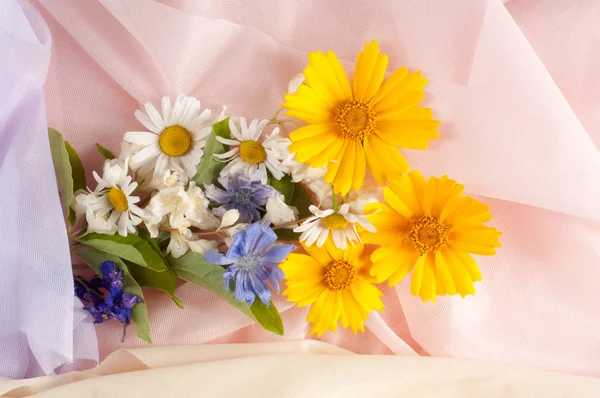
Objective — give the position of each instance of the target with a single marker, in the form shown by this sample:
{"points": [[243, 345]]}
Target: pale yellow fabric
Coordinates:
{"points": [[296, 369]]}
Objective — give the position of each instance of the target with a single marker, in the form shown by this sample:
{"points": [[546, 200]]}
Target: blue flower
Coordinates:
{"points": [[247, 196], [252, 260], [116, 305], [112, 276]]}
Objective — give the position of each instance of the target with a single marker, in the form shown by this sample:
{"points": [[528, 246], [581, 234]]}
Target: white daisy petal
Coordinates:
{"points": [[177, 108], [227, 141], [145, 120], [312, 235], [154, 116], [322, 237], [145, 155], [141, 137], [228, 154], [167, 110], [234, 130]]}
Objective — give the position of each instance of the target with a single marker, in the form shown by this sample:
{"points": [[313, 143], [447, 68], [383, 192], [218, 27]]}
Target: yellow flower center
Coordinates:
{"points": [[356, 120], [340, 275], [117, 198], [252, 152], [175, 141], [428, 235], [335, 221]]}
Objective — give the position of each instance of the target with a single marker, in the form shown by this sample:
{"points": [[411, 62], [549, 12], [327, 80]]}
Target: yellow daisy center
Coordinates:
{"points": [[428, 234], [340, 275], [356, 120], [252, 152], [335, 221], [117, 198], [175, 141]]}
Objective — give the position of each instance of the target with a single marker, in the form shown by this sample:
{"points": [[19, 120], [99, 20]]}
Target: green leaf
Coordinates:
{"points": [[165, 281], [193, 268], [268, 317], [78, 172], [62, 168], [105, 152], [286, 235], [94, 258], [163, 240], [285, 186], [302, 200], [131, 248], [209, 167]]}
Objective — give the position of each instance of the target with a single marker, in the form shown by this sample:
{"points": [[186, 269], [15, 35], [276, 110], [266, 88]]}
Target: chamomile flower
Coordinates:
{"points": [[340, 224], [173, 141], [111, 206], [254, 152]]}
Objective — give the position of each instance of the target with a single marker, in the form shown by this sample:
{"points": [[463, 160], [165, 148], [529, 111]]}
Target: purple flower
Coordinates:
{"points": [[252, 260], [112, 276], [247, 196], [116, 304]]}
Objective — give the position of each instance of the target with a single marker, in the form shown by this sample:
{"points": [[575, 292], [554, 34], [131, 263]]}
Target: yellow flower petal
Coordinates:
{"points": [[360, 168], [320, 254], [477, 240], [306, 109], [369, 72], [367, 295], [394, 262], [311, 131], [403, 195], [336, 161], [428, 280], [329, 75], [307, 148], [460, 276], [414, 134], [399, 86], [302, 267], [445, 283], [391, 162], [324, 157], [354, 311], [343, 179], [417, 276]]}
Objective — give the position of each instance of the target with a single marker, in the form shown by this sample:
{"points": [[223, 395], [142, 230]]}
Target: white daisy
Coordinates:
{"points": [[341, 224], [111, 207], [174, 141], [253, 152]]}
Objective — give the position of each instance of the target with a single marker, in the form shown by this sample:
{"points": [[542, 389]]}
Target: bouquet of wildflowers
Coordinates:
{"points": [[321, 200]]}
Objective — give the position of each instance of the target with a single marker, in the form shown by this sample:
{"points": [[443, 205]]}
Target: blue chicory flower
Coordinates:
{"points": [[252, 260], [246, 195]]}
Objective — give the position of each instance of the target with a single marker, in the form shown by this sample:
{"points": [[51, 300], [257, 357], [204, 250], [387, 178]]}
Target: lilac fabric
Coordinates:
{"points": [[43, 329]]}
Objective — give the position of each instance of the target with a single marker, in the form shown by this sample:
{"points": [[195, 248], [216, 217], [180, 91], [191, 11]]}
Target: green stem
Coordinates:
{"points": [[333, 199]]}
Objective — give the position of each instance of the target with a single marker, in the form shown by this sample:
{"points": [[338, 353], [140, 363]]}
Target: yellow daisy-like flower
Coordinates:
{"points": [[359, 125], [430, 228], [335, 283]]}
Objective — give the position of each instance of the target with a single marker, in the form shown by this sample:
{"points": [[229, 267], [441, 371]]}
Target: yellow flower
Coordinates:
{"points": [[430, 228], [336, 283], [359, 125]]}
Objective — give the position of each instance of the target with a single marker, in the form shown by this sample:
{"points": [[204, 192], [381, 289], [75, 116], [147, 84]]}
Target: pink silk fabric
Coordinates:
{"points": [[515, 85]]}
